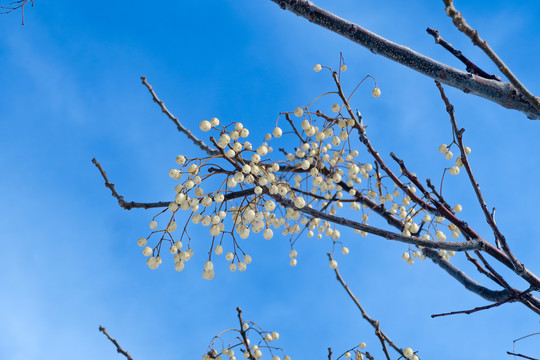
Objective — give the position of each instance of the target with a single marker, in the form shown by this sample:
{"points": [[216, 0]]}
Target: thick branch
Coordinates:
{"points": [[465, 280], [118, 347], [502, 93], [461, 24]]}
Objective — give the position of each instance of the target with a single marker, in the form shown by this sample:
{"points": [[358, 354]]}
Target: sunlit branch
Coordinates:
{"points": [[502, 93]]}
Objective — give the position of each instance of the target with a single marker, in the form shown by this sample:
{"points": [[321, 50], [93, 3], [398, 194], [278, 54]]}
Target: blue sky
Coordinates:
{"points": [[71, 91]]}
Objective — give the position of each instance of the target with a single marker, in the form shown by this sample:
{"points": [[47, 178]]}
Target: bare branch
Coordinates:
{"points": [[521, 355], [127, 205], [518, 267], [465, 280], [461, 25], [373, 322], [528, 300], [502, 93], [480, 308], [244, 335], [175, 120], [289, 120], [14, 5], [514, 346], [471, 67], [482, 270], [118, 348]]}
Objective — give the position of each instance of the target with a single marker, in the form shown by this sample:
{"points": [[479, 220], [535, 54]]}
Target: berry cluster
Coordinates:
{"points": [[255, 191]]}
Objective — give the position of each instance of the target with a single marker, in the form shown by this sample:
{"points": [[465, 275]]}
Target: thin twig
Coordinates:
{"points": [[521, 355], [18, 4], [289, 120], [481, 269], [244, 335], [372, 322], [480, 308], [470, 66], [382, 339], [461, 25], [518, 339], [118, 347], [525, 299], [127, 205], [518, 267], [437, 194], [179, 126]]}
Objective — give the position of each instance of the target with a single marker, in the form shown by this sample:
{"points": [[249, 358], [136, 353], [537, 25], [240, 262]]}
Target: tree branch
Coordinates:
{"points": [[472, 244], [502, 93], [175, 120], [480, 308], [244, 335], [509, 258], [482, 270], [471, 67], [521, 355], [465, 280], [127, 205], [17, 4], [118, 348], [373, 322], [461, 25]]}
